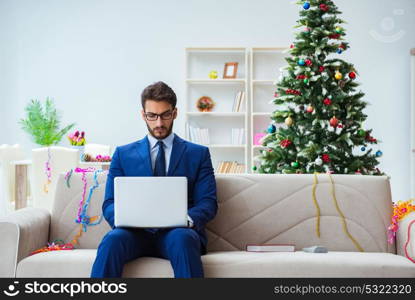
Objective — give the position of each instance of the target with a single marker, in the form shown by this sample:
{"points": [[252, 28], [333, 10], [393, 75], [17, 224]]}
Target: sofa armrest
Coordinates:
{"points": [[22, 232], [402, 236]]}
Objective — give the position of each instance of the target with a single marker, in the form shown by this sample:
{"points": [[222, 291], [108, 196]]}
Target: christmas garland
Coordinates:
{"points": [[316, 204], [407, 242], [54, 246], [82, 218], [68, 177], [48, 172], [400, 211], [333, 194]]}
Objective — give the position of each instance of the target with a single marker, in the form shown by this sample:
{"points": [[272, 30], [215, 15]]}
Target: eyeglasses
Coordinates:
{"points": [[167, 115]]}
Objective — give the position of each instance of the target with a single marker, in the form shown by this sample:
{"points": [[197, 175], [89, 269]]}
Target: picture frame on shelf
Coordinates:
{"points": [[230, 70]]}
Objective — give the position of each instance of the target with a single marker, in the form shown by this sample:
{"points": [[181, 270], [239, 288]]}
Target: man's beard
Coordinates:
{"points": [[160, 137]]}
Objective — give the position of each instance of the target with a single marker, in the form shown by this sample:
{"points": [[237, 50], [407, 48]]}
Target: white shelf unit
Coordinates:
{"points": [[265, 65], [199, 63]]}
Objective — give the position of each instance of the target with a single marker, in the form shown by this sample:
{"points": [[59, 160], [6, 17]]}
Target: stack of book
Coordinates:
{"points": [[230, 167], [238, 101], [198, 135], [237, 136]]}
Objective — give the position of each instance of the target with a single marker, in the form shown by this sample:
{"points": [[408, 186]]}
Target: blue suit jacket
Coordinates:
{"points": [[187, 159]]}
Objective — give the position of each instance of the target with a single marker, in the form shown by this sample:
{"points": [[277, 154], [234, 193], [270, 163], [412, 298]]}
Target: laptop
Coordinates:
{"points": [[150, 202]]}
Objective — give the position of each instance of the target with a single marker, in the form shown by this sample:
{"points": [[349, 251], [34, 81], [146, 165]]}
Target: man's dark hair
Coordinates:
{"points": [[158, 91]]}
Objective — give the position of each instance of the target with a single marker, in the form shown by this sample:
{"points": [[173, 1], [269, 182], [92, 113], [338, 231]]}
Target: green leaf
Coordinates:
{"points": [[43, 122]]}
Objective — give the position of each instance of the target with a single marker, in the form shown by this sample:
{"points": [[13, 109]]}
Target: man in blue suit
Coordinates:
{"points": [[160, 153]]}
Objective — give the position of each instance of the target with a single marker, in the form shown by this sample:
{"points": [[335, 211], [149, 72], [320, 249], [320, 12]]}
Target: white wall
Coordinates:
{"points": [[94, 58]]}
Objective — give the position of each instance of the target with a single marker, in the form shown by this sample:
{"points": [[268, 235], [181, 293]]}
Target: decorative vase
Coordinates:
{"points": [[81, 150]]}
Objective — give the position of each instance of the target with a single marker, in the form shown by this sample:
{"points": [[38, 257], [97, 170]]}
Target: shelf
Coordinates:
{"points": [[263, 82], [266, 114], [216, 81], [270, 49], [258, 70], [217, 114]]}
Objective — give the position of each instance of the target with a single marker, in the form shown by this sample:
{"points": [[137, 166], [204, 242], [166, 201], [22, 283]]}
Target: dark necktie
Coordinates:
{"points": [[159, 170], [160, 165]]}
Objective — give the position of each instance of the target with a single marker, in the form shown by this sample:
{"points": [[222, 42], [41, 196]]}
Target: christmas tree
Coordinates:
{"points": [[318, 123]]}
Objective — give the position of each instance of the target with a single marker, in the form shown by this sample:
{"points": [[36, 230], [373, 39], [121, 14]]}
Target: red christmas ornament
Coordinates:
{"points": [[343, 46], [310, 109], [334, 122], [308, 62], [292, 46], [334, 36], [352, 75], [301, 76], [285, 143], [371, 139], [325, 158], [276, 95], [327, 101], [321, 69], [292, 92], [340, 126], [324, 7]]}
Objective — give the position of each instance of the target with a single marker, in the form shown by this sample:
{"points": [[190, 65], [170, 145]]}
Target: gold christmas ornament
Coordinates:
{"points": [[338, 75], [289, 121]]}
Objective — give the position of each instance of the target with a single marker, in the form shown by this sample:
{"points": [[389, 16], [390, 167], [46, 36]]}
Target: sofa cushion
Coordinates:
{"points": [[78, 263]]}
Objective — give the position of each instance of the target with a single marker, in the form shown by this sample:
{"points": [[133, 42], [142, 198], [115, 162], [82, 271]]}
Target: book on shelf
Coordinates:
{"points": [[270, 248], [237, 136], [198, 135], [238, 101], [241, 101], [230, 167]]}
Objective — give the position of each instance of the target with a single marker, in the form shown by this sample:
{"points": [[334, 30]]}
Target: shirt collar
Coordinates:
{"points": [[168, 141]]}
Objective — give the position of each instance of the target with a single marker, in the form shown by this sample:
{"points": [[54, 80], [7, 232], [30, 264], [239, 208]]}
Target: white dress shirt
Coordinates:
{"points": [[168, 146]]}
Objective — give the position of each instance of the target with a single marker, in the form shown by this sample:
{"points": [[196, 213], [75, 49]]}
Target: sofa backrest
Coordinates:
{"points": [[262, 209]]}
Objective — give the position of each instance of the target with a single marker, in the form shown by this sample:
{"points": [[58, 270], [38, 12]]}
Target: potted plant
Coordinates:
{"points": [[43, 123], [78, 141]]}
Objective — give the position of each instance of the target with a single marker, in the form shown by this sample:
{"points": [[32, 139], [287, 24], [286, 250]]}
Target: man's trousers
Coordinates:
{"points": [[181, 246]]}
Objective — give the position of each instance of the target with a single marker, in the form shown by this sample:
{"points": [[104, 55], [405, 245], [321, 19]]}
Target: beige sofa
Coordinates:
{"points": [[253, 208]]}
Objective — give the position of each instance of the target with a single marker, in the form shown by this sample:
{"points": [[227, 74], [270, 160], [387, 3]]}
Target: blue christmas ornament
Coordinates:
{"points": [[339, 51], [363, 149], [379, 153], [271, 128], [301, 62], [306, 5]]}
